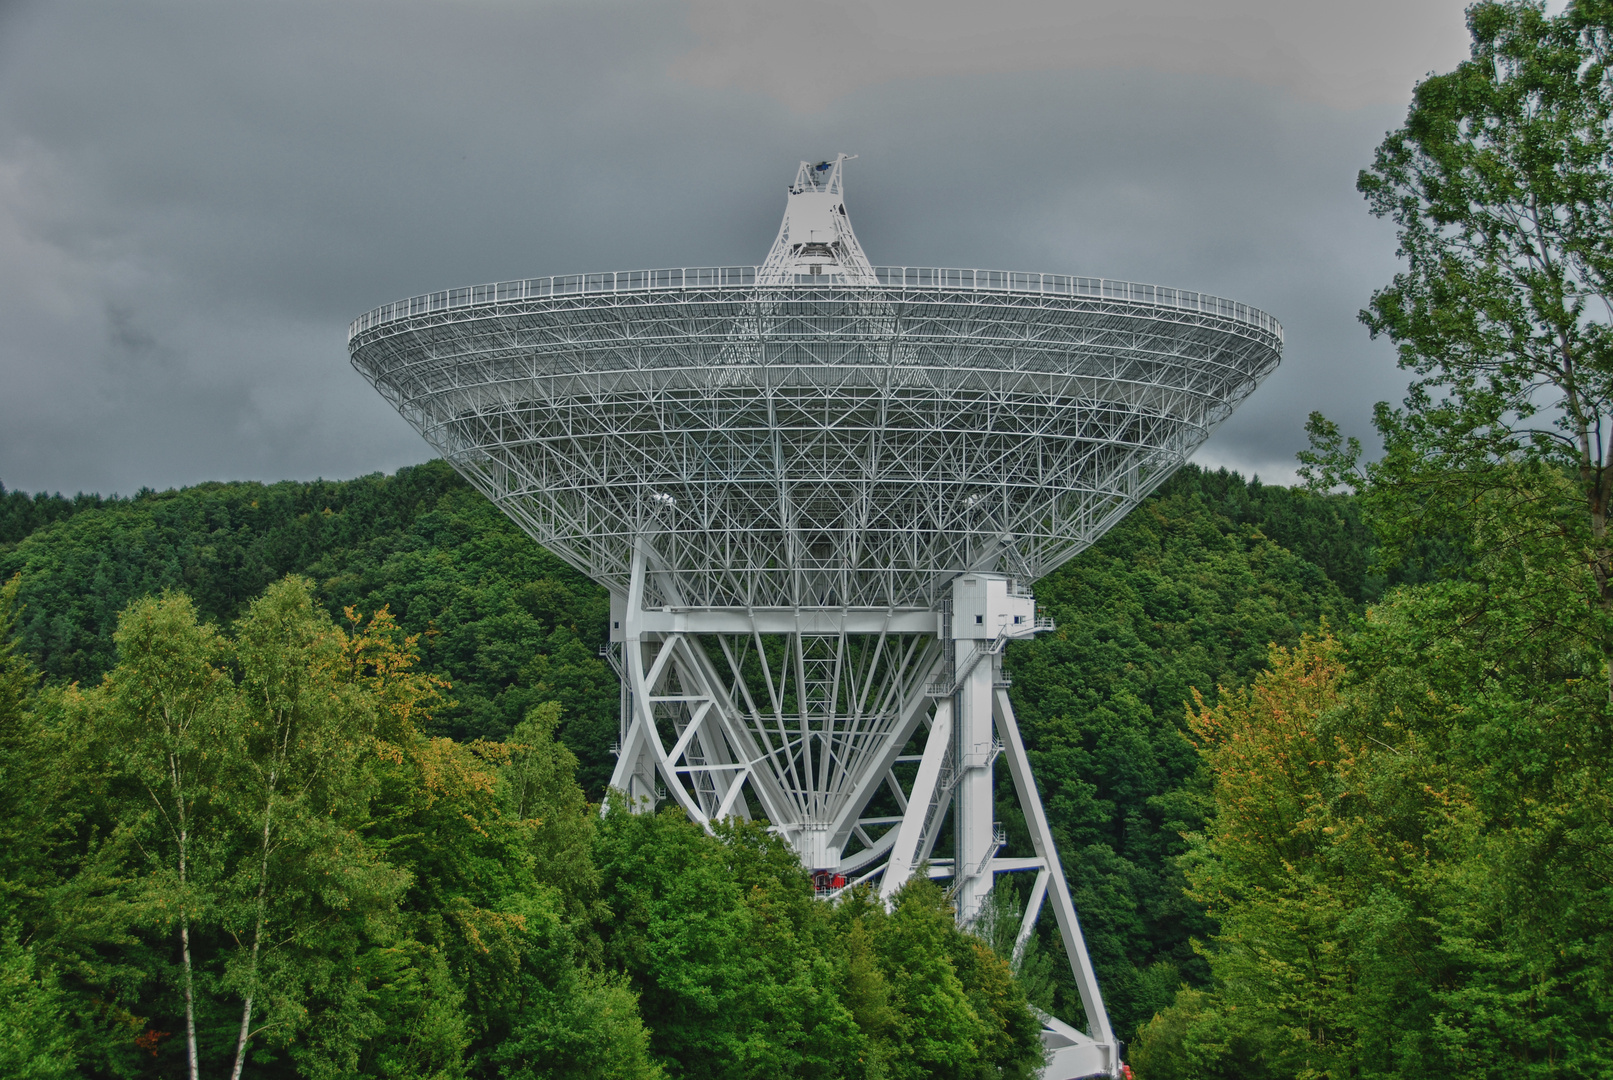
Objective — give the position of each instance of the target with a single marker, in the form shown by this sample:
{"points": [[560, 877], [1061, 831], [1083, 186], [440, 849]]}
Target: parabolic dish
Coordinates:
{"points": [[817, 441]]}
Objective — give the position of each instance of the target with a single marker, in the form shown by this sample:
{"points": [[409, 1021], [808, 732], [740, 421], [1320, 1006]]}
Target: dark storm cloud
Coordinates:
{"points": [[195, 199]]}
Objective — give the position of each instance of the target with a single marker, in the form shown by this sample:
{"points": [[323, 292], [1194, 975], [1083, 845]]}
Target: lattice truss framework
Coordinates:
{"points": [[807, 718], [814, 722], [815, 445]]}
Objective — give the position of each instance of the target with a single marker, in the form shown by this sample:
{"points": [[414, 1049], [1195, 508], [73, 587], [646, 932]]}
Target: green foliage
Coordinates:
{"points": [[592, 1031], [1406, 859], [742, 973], [1188, 591], [257, 859], [23, 844], [1406, 855], [21, 513], [1501, 187], [36, 1041], [506, 623], [262, 865], [538, 787]]}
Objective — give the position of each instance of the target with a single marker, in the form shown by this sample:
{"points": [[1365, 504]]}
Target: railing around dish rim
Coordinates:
{"points": [[741, 277]]}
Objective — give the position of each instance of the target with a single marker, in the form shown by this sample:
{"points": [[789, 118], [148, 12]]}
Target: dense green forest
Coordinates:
{"points": [[1188, 591], [240, 849], [1409, 818]]}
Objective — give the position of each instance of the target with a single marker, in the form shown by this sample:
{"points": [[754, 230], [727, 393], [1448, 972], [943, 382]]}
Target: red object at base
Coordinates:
{"points": [[827, 880]]}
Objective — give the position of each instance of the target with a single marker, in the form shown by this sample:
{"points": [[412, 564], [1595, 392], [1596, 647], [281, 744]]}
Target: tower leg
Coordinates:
{"points": [[906, 851], [1078, 1056], [635, 768], [812, 733]]}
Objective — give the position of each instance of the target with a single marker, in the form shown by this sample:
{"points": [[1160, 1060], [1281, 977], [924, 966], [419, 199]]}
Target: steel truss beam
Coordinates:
{"points": [[806, 720]]}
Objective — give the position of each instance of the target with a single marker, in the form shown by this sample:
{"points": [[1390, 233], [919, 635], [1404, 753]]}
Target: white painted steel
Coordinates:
{"points": [[859, 450], [905, 851], [1033, 908], [1030, 801], [811, 488], [1072, 1053], [974, 831], [723, 279]]}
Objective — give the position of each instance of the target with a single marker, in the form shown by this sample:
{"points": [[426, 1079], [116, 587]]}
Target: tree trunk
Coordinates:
{"points": [[184, 917], [257, 935], [184, 948]]}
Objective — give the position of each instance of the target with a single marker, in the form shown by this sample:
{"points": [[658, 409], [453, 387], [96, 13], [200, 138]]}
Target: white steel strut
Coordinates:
{"points": [[810, 487]]}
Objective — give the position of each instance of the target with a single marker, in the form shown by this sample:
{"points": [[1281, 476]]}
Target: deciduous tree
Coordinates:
{"points": [[1501, 185]]}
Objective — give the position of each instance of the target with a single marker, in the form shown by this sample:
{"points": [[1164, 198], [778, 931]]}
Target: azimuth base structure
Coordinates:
{"points": [[817, 490]]}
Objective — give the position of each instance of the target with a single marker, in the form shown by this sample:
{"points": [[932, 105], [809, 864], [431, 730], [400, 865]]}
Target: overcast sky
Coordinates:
{"points": [[196, 198]]}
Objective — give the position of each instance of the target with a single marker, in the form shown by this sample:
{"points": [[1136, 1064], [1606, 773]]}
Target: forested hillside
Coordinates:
{"points": [[1187, 592], [239, 854], [1410, 819], [1317, 820], [510, 625]]}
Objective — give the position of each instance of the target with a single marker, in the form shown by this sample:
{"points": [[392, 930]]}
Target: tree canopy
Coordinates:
{"points": [[242, 853], [1405, 848], [1186, 592]]}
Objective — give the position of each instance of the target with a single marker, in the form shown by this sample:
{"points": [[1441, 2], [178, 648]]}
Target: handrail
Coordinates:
{"points": [[744, 277]]}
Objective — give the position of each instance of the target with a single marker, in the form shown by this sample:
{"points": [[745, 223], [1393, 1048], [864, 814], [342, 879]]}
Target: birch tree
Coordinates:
{"points": [[1501, 185], [167, 704], [301, 756]]}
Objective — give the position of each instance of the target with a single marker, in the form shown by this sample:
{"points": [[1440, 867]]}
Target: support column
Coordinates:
{"points": [[905, 850], [972, 824], [987, 612]]}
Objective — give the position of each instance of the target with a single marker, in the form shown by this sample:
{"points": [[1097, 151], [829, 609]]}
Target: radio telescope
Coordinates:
{"points": [[818, 491]]}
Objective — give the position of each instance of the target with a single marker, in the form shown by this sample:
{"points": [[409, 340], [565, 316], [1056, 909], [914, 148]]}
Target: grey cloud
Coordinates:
{"points": [[196, 198], [1345, 55]]}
